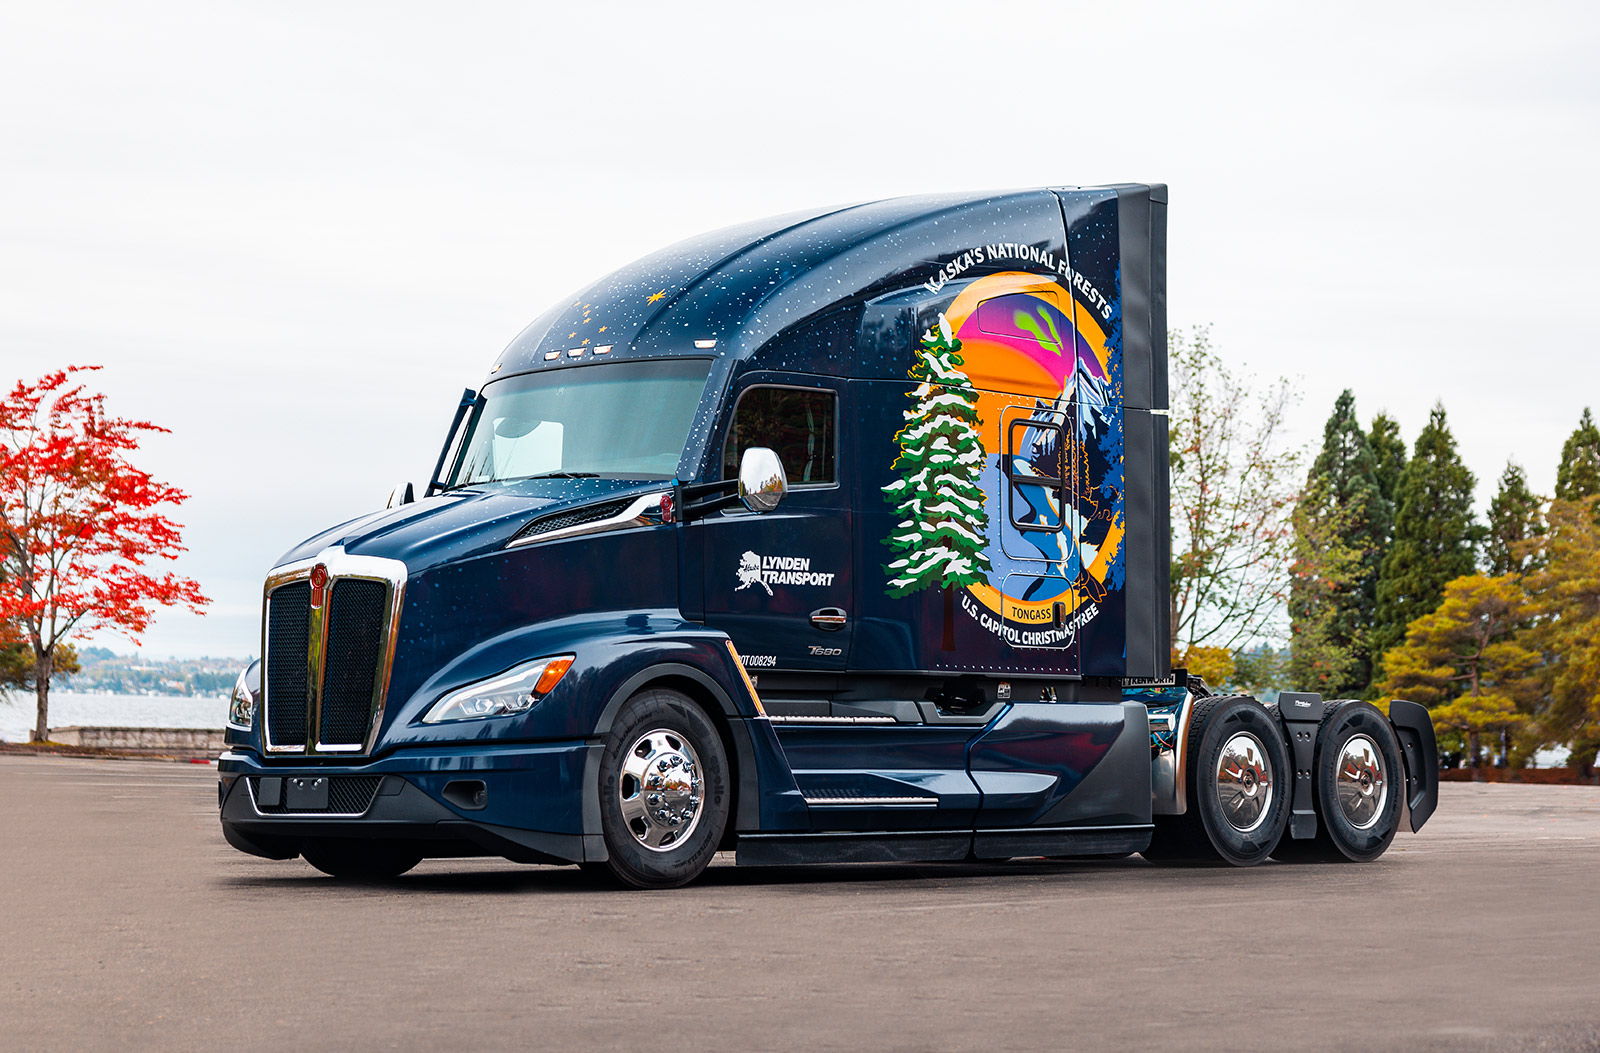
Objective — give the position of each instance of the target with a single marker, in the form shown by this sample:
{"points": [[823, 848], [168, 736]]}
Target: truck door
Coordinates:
{"points": [[779, 583]]}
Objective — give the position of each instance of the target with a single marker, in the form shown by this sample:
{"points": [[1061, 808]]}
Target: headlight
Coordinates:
{"points": [[242, 706], [514, 691]]}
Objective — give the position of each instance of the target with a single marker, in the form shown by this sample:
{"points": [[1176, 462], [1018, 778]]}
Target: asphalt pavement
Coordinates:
{"points": [[126, 922]]}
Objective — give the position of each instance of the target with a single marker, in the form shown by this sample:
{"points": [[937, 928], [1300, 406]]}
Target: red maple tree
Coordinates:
{"points": [[78, 526]]}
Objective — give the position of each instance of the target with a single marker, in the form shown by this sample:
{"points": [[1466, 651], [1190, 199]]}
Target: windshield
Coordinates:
{"points": [[621, 420]]}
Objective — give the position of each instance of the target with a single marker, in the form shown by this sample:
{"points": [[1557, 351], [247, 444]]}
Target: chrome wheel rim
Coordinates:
{"points": [[1244, 782], [1360, 785], [659, 788]]}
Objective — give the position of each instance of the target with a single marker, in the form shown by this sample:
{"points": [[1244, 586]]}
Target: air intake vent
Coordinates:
{"points": [[347, 795], [355, 640], [575, 517], [288, 638]]}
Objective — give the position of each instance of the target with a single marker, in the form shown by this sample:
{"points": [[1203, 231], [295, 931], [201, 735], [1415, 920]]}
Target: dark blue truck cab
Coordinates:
{"points": [[839, 536]]}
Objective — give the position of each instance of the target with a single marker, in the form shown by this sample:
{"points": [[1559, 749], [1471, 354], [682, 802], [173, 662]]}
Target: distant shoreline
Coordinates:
{"points": [[70, 708]]}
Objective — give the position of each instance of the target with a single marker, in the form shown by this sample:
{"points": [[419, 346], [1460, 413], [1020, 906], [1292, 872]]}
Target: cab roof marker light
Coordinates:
{"points": [[603, 349], [548, 355], [575, 352], [705, 345]]}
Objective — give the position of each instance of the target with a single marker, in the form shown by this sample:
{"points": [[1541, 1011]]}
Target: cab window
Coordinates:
{"points": [[796, 423]]}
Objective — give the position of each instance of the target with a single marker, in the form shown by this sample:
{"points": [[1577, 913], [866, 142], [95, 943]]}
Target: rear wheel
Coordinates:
{"points": [[1358, 782], [360, 860], [1237, 781], [664, 791]]}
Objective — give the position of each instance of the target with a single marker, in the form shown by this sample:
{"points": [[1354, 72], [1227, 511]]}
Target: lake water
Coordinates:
{"points": [[104, 709]]}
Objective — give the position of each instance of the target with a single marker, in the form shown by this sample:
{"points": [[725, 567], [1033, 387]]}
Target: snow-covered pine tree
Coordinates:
{"points": [[940, 539]]}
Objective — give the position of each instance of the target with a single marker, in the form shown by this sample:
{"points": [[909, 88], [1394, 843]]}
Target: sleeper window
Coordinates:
{"points": [[798, 424]]}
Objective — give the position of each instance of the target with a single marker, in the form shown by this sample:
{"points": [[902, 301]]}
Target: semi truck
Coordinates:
{"points": [[838, 536]]}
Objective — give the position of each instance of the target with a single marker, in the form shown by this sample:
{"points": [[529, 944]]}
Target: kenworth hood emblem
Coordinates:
{"points": [[319, 585]]}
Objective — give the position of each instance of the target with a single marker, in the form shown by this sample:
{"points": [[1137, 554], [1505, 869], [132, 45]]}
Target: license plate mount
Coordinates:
{"points": [[305, 794]]}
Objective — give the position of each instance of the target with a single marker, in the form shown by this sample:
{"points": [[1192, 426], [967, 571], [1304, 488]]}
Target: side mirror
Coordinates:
{"points": [[762, 482], [401, 495]]}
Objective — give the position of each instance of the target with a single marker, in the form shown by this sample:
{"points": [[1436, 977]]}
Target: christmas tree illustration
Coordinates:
{"points": [[940, 539]]}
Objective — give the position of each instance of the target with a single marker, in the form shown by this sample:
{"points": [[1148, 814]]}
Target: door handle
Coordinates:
{"points": [[829, 619], [1058, 615]]}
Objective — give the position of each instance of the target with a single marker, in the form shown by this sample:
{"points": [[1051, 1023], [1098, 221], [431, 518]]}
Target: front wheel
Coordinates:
{"points": [[1237, 780], [664, 791]]}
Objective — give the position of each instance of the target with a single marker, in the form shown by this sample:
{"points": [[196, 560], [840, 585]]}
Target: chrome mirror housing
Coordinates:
{"points": [[401, 495], [762, 482]]}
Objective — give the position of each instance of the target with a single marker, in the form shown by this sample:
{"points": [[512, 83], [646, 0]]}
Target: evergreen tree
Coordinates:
{"points": [[1342, 502], [1322, 580], [1435, 534], [1579, 474], [1389, 454], [940, 540], [1515, 520], [1564, 602]]}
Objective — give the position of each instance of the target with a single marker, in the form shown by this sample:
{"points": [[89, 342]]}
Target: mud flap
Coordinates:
{"points": [[1414, 728], [1301, 714]]}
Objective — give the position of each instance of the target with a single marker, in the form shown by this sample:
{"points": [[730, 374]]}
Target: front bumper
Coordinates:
{"points": [[524, 802]]}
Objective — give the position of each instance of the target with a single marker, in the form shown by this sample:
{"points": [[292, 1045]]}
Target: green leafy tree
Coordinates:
{"points": [[1436, 534], [1341, 525], [1515, 519], [1564, 616], [1234, 482], [1325, 642], [1466, 662], [1389, 462], [939, 542], [1578, 475], [1258, 671], [18, 664]]}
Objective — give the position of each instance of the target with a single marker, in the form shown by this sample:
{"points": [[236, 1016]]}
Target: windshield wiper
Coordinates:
{"points": [[564, 475]]}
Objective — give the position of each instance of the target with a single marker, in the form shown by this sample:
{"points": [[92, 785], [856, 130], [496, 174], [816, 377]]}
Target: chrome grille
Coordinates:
{"points": [[327, 655]]}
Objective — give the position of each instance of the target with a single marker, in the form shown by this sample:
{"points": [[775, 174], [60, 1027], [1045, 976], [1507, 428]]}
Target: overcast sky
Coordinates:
{"points": [[292, 232]]}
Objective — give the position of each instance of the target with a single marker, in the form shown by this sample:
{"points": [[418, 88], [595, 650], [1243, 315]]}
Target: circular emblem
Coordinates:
{"points": [[319, 582]]}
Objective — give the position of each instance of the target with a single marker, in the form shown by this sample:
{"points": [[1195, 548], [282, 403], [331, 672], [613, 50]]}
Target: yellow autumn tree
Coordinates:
{"points": [[1467, 661], [1212, 664]]}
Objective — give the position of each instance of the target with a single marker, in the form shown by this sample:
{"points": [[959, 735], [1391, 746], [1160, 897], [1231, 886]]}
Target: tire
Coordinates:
{"points": [[669, 841], [360, 860], [1237, 780], [1358, 781]]}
